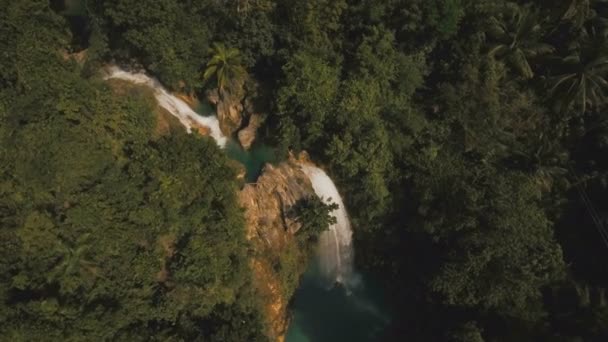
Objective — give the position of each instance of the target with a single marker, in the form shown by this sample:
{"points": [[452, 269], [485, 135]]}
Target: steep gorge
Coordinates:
{"points": [[277, 259]]}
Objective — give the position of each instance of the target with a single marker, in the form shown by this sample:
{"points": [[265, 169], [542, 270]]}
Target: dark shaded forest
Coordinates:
{"points": [[466, 137]]}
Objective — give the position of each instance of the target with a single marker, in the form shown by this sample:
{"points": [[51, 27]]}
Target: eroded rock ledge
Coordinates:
{"points": [[277, 259]]}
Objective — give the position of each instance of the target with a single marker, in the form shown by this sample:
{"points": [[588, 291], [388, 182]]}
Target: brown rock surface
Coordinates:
{"points": [[247, 134], [228, 109], [201, 129], [189, 98], [271, 231], [268, 200]]}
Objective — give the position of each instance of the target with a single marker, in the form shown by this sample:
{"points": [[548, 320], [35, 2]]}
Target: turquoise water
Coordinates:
{"points": [[253, 159], [324, 314], [204, 108]]}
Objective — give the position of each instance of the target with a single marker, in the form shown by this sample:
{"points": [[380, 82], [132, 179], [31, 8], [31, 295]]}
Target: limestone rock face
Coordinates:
{"points": [[229, 109], [235, 106], [271, 232], [247, 134], [267, 202]]}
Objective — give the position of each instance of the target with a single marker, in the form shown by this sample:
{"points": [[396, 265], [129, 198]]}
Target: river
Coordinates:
{"points": [[333, 302]]}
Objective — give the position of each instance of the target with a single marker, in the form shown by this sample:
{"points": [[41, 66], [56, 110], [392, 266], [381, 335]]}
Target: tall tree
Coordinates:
{"points": [[226, 66], [583, 82], [516, 38], [501, 246]]}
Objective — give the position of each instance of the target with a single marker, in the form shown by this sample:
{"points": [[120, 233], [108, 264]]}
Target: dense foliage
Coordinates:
{"points": [[466, 136], [109, 232], [315, 216]]}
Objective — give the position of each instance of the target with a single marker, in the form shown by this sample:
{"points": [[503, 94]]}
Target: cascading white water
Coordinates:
{"points": [[171, 103], [335, 245]]}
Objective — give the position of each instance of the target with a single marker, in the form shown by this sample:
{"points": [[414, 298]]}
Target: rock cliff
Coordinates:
{"points": [[236, 107], [228, 108], [247, 134], [278, 260]]}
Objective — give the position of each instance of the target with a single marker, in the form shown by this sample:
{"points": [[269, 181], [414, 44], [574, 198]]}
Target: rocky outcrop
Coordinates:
{"points": [[228, 108], [236, 106], [271, 231], [267, 201], [189, 98], [201, 129], [247, 134]]}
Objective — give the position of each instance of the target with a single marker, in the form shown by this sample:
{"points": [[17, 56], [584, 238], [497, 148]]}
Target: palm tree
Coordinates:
{"points": [[577, 12], [585, 80], [225, 65], [517, 38], [74, 259]]}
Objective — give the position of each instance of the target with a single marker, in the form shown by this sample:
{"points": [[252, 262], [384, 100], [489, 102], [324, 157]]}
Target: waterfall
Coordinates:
{"points": [[335, 248], [171, 103]]}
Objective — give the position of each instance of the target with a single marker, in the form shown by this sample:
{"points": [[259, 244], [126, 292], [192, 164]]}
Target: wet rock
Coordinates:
{"points": [[247, 135], [228, 108], [267, 201], [272, 233]]}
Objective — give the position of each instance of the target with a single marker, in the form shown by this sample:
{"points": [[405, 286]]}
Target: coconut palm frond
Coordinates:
{"points": [[225, 66], [516, 39], [586, 85]]}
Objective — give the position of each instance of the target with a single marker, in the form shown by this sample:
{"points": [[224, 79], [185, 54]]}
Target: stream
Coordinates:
{"points": [[333, 302]]}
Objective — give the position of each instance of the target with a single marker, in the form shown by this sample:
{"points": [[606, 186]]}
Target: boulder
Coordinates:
{"points": [[247, 135], [228, 108]]}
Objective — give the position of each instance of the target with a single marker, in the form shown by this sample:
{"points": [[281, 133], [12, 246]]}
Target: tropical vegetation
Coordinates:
{"points": [[467, 137]]}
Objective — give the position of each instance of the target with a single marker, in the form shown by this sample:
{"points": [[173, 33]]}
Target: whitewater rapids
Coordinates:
{"points": [[171, 103]]}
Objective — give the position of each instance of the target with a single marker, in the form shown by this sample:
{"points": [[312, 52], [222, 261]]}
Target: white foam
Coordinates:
{"points": [[171, 103], [335, 244]]}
